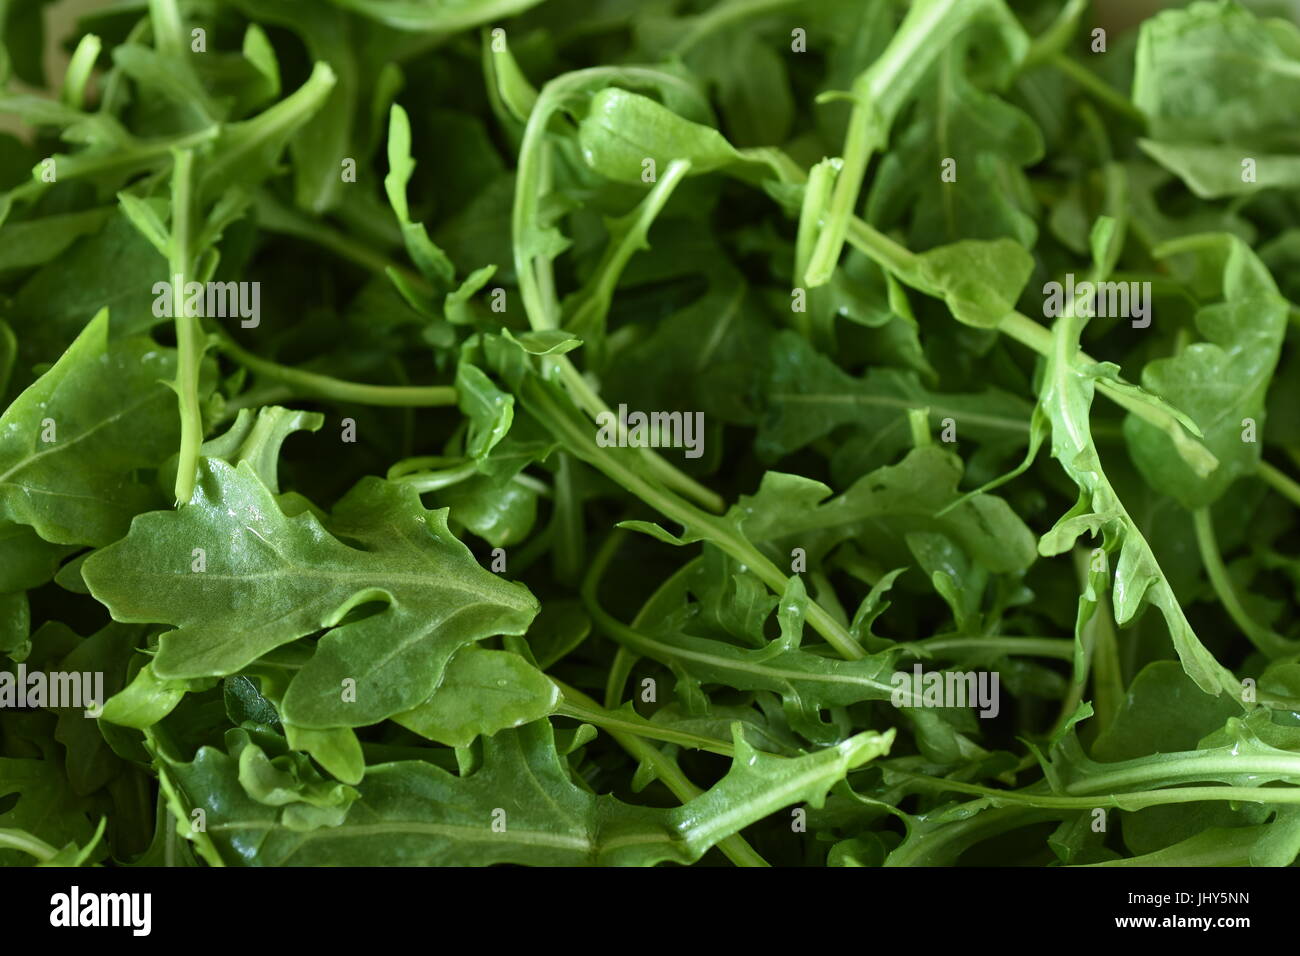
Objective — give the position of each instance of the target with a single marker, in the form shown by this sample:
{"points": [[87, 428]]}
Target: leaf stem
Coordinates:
{"points": [[722, 15], [590, 305], [168, 30], [711, 527], [533, 267], [1134, 800], [1098, 88], [879, 92], [903, 263], [1054, 39], [1268, 642], [24, 841], [274, 216], [1280, 482], [190, 344], [612, 720], [1107, 675], [735, 847], [1055, 647], [315, 385]]}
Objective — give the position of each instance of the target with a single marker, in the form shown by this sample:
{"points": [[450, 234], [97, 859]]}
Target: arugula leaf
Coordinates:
{"points": [[519, 807], [396, 552], [1220, 382], [1066, 396], [483, 692], [1180, 50], [986, 141], [68, 454]]}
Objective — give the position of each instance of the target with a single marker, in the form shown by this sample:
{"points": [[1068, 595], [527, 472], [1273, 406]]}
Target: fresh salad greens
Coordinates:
{"points": [[615, 432]]}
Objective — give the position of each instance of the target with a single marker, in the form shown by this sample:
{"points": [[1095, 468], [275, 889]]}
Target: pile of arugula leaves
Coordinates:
{"points": [[366, 581]]}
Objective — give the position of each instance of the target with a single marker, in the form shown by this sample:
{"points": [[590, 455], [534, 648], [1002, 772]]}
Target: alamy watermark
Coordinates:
{"points": [[919, 688], [1125, 300], [80, 689], [75, 908], [652, 430], [215, 300]]}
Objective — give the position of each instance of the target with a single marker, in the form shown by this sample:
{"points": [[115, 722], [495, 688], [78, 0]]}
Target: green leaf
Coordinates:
{"points": [[545, 341], [1188, 77], [1213, 172], [428, 258], [1066, 397], [428, 816], [15, 625], [26, 559], [979, 280], [247, 153], [983, 142], [455, 303], [337, 750], [489, 410], [71, 443], [885, 505], [807, 682], [622, 130], [258, 438], [46, 806], [305, 578], [483, 692], [37, 241], [323, 138], [435, 16], [289, 781], [809, 396], [146, 700], [1222, 382]]}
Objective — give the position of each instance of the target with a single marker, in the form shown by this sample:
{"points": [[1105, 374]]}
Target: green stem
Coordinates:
{"points": [[638, 642], [156, 741], [1280, 482], [254, 398], [135, 157], [821, 180], [251, 136], [879, 92], [1054, 647], [1133, 800], [79, 70], [274, 216], [735, 847], [168, 31], [1098, 88], [865, 136], [903, 263], [435, 480], [534, 272], [711, 527], [1107, 674], [24, 841], [424, 482], [1028, 332], [1268, 642], [1192, 765], [628, 234], [190, 344], [1087, 638], [612, 720], [570, 540], [313, 385], [1054, 39], [726, 14]]}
